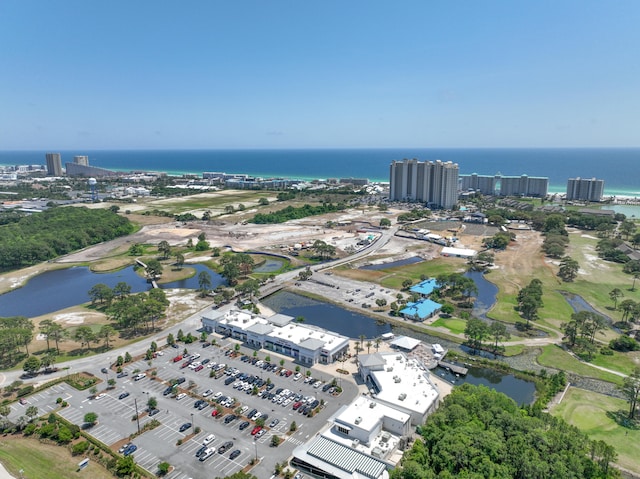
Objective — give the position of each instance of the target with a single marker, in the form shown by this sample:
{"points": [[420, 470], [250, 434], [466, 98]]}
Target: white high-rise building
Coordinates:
{"points": [[585, 189], [432, 182]]}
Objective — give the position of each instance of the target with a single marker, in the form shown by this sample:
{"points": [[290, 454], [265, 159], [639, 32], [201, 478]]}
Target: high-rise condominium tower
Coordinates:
{"points": [[54, 164], [432, 182]]}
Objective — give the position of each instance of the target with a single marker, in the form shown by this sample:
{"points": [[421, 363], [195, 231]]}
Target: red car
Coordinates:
{"points": [[289, 373], [256, 430], [296, 405], [185, 364], [215, 412], [177, 358], [199, 368]]}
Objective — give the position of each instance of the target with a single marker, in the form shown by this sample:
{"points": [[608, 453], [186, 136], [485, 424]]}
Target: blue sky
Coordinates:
{"points": [[307, 74]]}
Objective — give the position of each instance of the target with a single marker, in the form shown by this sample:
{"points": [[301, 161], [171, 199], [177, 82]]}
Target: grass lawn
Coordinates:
{"points": [[455, 325], [44, 460], [623, 362], [555, 357], [588, 410]]}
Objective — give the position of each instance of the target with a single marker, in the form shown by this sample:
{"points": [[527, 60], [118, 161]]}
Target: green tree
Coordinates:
{"points": [[90, 418], [179, 260], [204, 283], [615, 294], [498, 332], [476, 331], [31, 365], [153, 269], [164, 248], [121, 290], [163, 468], [31, 412], [125, 466], [84, 335], [106, 332], [569, 268], [385, 222], [631, 390]]}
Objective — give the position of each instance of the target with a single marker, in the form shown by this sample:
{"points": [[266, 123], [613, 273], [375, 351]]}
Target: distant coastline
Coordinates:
{"points": [[615, 165]]}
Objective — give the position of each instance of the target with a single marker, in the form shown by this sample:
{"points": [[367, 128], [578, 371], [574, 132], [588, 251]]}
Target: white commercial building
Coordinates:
{"points": [[279, 333], [400, 383]]}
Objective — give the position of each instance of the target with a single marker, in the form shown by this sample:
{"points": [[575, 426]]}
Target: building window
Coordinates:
{"points": [[343, 430]]}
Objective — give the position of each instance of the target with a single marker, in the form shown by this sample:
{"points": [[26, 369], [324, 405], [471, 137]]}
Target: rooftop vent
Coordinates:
{"points": [[358, 420], [372, 405], [402, 396]]}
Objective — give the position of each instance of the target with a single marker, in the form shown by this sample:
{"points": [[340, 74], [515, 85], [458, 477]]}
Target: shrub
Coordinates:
{"points": [[80, 448]]}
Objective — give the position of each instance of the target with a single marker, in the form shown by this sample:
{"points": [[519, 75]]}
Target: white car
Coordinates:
{"points": [[209, 439], [256, 416], [217, 395], [181, 396], [139, 376], [208, 392], [317, 384], [100, 396], [160, 353], [297, 377]]}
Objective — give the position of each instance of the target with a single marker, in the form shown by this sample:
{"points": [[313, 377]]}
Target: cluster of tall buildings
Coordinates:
{"points": [[438, 184], [432, 182], [79, 167]]}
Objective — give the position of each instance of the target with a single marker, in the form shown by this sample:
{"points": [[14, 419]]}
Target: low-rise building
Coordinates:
{"points": [[305, 343]]}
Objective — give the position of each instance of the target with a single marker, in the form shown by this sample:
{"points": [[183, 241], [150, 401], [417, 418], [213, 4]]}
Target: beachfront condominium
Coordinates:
{"points": [[54, 164], [432, 182], [585, 189], [81, 160], [499, 185]]}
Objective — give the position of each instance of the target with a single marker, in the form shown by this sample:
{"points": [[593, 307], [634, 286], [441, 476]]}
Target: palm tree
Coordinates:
{"points": [[635, 277], [369, 344], [615, 294], [377, 342]]}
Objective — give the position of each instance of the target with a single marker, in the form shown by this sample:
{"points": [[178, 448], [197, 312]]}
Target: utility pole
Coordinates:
{"points": [[135, 403]]}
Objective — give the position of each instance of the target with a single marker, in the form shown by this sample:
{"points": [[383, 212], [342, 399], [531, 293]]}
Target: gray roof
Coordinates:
{"points": [[312, 344], [260, 328], [369, 360], [345, 458], [280, 319]]}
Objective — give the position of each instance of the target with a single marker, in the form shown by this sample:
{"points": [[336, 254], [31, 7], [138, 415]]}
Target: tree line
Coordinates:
{"points": [[55, 232], [481, 433], [294, 213]]}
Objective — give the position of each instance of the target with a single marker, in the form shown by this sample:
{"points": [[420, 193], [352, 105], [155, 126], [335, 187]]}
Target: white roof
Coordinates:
{"points": [[405, 342], [458, 251]]}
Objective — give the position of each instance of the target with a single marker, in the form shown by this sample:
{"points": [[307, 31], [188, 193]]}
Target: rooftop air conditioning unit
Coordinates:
{"points": [[358, 420], [402, 396], [372, 405], [397, 379]]}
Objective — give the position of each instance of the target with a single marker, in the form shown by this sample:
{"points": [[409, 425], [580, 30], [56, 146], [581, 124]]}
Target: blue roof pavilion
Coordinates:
{"points": [[426, 287], [421, 310]]}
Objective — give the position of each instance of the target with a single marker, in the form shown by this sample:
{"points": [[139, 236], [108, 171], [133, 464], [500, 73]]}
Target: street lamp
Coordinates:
{"points": [[135, 403], [192, 424], [255, 443]]}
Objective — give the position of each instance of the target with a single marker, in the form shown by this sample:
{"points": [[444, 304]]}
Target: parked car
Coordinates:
{"points": [[208, 392], [123, 395], [210, 438], [130, 450], [260, 433], [225, 447], [139, 376], [153, 412], [201, 451], [124, 447], [274, 423], [100, 396], [104, 371], [122, 374], [185, 426], [181, 396], [234, 454], [206, 455], [256, 430], [177, 358], [244, 425]]}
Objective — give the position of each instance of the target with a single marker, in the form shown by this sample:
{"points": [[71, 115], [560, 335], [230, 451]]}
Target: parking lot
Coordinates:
{"points": [[117, 417]]}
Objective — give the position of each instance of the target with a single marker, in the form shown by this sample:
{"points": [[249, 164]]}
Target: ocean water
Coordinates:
{"points": [[618, 167]]}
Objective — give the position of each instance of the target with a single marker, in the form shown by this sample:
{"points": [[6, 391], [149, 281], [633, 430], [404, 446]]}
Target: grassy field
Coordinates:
{"points": [[39, 460], [592, 413], [455, 325], [555, 357], [623, 362]]}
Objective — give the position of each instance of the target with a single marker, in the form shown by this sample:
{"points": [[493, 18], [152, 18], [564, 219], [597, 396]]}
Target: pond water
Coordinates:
{"points": [[353, 325], [578, 303], [394, 264], [269, 266], [63, 288], [521, 391], [326, 315], [487, 293]]}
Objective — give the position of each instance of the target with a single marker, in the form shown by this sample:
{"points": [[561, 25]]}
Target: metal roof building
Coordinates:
{"points": [[324, 457], [420, 310]]}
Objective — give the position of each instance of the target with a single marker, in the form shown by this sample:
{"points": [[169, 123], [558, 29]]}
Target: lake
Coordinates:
{"points": [[55, 290]]}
